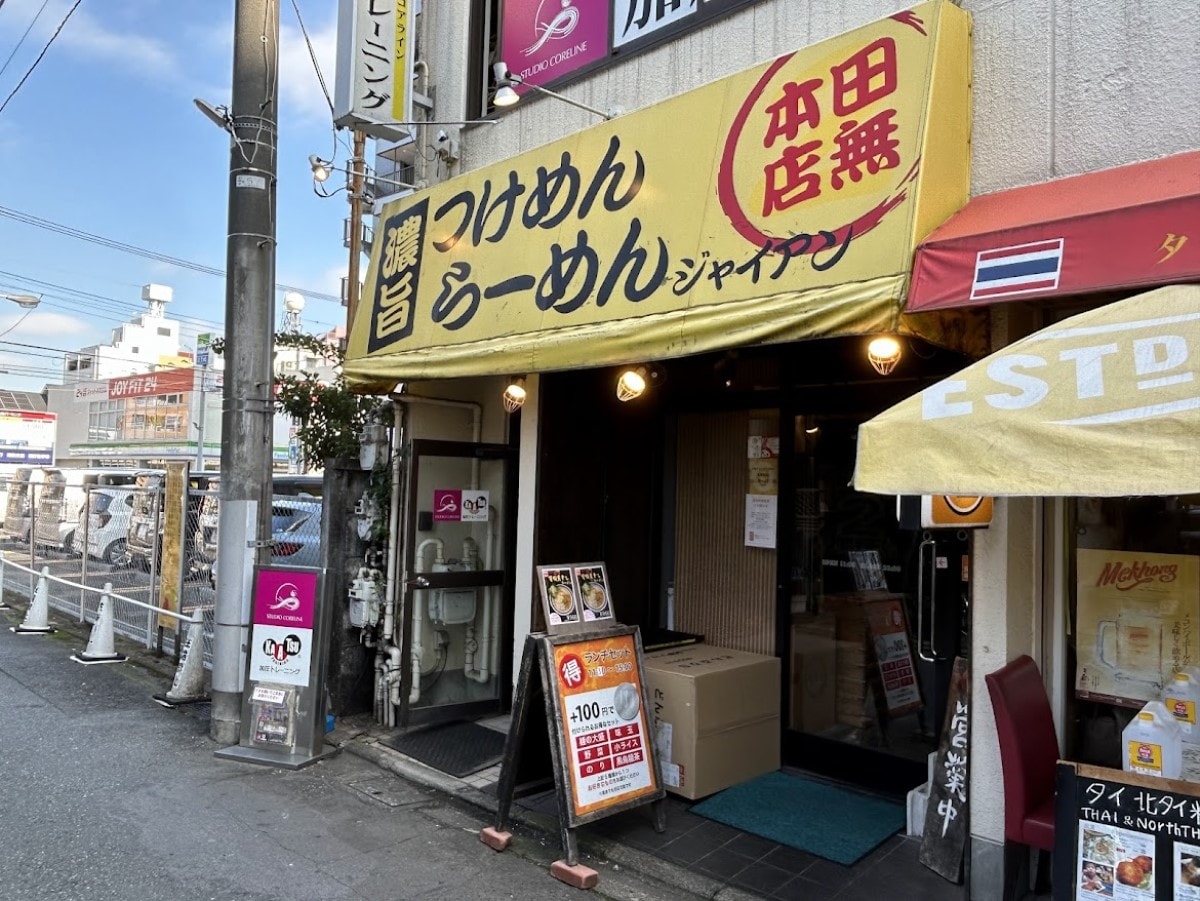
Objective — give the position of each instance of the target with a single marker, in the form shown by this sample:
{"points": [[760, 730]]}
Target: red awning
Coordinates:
{"points": [[1133, 226]]}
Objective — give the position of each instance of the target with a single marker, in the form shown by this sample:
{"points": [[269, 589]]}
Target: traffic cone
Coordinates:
{"points": [[100, 647], [188, 685], [37, 617]]}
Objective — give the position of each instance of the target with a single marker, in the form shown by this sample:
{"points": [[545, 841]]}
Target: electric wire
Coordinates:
{"points": [[312, 54], [113, 244], [70, 12], [37, 16]]}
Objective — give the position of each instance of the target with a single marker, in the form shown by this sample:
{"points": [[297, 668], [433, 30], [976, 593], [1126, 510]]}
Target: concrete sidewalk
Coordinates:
{"points": [[110, 796]]}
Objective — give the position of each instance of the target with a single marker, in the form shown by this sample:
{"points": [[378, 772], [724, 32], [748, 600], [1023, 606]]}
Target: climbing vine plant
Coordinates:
{"points": [[328, 414]]}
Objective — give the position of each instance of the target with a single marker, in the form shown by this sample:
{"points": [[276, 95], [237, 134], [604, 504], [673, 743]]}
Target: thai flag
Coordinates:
{"points": [[1020, 269]]}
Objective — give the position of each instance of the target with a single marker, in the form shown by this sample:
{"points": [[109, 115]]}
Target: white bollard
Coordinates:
{"points": [[188, 685], [37, 617], [100, 646]]}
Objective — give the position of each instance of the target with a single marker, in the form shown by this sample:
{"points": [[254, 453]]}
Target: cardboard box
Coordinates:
{"points": [[716, 716], [814, 669]]}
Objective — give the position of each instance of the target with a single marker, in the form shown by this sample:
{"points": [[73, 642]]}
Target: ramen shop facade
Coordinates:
{"points": [[685, 292]]}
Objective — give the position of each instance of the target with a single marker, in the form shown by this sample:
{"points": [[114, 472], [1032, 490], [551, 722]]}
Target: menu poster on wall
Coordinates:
{"points": [[560, 598], [591, 579], [1137, 624]]}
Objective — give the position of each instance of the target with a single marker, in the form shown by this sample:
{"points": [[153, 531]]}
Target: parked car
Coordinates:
{"points": [[284, 488], [62, 496], [298, 542], [144, 538], [107, 524]]}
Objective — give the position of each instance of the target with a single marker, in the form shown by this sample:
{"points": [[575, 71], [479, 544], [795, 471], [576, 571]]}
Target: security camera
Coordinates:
{"points": [[442, 137]]}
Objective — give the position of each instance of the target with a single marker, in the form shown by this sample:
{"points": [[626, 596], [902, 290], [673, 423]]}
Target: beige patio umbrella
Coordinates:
{"points": [[1104, 404]]}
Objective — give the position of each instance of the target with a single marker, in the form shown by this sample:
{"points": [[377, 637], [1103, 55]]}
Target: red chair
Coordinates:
{"points": [[1028, 755]]}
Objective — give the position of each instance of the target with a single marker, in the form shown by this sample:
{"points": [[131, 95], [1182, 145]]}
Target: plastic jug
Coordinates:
{"points": [[1182, 700], [1152, 743]]}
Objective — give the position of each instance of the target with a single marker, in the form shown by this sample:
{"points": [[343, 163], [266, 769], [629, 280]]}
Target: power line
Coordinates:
{"points": [[59, 228], [70, 12], [4, 68], [312, 55]]}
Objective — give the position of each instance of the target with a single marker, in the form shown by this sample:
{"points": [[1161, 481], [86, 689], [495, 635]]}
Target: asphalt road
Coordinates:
{"points": [[105, 796]]}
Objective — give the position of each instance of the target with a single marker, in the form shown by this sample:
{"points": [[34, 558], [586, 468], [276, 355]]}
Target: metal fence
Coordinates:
{"points": [[110, 534]]}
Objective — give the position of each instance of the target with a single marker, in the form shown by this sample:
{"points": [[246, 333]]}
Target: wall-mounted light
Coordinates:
{"points": [[506, 95], [320, 167], [514, 394], [632, 383], [884, 353]]}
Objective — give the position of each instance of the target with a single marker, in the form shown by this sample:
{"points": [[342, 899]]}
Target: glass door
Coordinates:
{"points": [[456, 613], [877, 615]]}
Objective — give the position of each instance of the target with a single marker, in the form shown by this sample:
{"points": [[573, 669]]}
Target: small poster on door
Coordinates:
{"points": [[560, 598], [460, 505], [592, 581]]}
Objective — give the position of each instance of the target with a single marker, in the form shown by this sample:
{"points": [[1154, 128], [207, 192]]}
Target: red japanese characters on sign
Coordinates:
{"points": [[835, 130], [866, 77]]}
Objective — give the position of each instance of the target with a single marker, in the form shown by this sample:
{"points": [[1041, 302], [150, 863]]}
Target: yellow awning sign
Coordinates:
{"points": [[780, 203], [1104, 404]]}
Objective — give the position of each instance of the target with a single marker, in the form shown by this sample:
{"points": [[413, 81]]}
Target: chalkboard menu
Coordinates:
{"points": [[1124, 836]]}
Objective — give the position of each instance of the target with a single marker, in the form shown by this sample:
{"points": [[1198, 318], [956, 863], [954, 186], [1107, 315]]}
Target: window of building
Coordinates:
{"points": [[1134, 612], [164, 331]]}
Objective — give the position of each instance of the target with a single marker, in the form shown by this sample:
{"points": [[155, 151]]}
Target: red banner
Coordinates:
{"points": [[169, 381]]}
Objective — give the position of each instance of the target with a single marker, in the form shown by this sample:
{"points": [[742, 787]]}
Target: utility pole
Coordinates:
{"points": [[201, 415], [249, 316], [357, 172]]}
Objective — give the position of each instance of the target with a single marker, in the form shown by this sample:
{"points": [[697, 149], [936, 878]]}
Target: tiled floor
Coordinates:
{"points": [[766, 868], [751, 863]]}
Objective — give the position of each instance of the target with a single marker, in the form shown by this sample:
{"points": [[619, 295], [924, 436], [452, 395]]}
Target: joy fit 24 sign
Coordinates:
{"points": [[788, 208]]}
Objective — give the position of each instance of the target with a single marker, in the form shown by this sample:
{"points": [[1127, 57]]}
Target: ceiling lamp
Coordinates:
{"points": [[884, 353], [631, 383], [514, 394]]}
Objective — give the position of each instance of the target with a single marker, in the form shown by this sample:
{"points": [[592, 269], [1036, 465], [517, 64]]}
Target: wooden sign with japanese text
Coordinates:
{"points": [[945, 834]]}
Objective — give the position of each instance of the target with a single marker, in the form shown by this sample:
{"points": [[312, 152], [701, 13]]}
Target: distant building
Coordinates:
{"points": [[141, 400]]}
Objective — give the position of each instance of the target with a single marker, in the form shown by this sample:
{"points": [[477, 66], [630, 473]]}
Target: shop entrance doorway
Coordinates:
{"points": [[455, 619], [876, 613]]}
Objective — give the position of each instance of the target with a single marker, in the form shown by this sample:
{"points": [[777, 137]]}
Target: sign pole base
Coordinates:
{"points": [[577, 876], [496, 839], [272, 758]]}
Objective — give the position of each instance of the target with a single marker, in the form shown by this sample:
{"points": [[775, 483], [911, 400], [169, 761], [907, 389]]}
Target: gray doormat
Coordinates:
{"points": [[457, 748]]}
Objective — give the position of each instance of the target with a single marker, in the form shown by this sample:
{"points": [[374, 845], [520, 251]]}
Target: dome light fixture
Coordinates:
{"points": [[631, 384], [514, 394], [884, 353]]}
